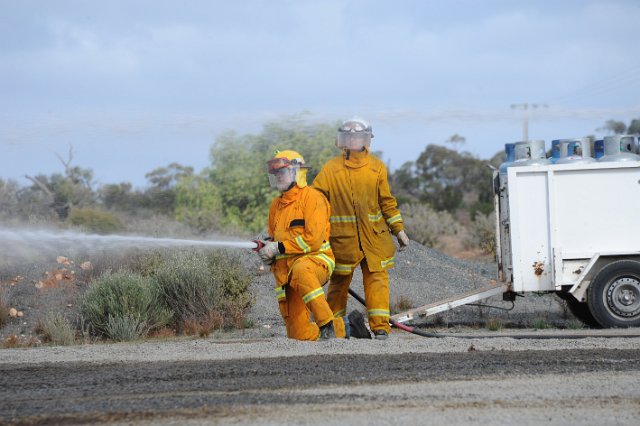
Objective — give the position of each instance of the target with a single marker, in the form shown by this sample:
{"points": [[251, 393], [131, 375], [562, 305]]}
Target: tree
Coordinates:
{"points": [[198, 203], [456, 141], [447, 180], [161, 194], [613, 127], [73, 189], [634, 127], [122, 197], [238, 166]]}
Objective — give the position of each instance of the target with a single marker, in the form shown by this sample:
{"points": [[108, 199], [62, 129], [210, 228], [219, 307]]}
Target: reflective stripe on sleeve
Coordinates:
{"points": [[340, 313], [394, 219], [302, 244], [280, 294]]}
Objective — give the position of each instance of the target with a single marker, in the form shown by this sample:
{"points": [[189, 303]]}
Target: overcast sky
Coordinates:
{"points": [[135, 85]]}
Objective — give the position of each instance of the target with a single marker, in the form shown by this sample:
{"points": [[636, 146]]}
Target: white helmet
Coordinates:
{"points": [[354, 134]]}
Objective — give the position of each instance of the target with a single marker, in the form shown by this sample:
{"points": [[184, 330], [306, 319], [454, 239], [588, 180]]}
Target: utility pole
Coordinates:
{"points": [[525, 124]]}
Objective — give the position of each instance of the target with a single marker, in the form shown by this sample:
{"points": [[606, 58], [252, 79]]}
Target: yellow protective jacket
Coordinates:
{"points": [[362, 211], [299, 219]]}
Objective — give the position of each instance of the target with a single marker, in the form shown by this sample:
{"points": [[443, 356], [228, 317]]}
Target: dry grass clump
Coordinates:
{"points": [[204, 291], [55, 328], [403, 303], [15, 341]]}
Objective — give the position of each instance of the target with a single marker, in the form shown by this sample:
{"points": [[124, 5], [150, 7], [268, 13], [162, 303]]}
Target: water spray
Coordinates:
{"points": [[49, 237]]}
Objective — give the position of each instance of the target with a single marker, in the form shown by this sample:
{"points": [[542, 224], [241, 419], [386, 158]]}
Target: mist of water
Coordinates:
{"points": [[27, 242]]}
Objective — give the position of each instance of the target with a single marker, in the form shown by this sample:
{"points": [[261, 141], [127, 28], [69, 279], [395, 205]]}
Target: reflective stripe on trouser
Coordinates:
{"points": [[376, 295], [304, 295]]}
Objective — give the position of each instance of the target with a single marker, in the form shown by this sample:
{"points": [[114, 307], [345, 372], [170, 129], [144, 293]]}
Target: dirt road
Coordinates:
{"points": [[590, 384]]}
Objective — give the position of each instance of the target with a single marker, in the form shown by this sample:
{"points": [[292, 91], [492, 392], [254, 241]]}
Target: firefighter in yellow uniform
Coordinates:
{"points": [[364, 214], [299, 252]]}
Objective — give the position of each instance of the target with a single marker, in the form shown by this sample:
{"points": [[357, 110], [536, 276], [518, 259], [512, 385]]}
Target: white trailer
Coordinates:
{"points": [[573, 229], [569, 229]]}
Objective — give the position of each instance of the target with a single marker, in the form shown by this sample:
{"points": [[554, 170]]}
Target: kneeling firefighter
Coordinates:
{"points": [[300, 256]]}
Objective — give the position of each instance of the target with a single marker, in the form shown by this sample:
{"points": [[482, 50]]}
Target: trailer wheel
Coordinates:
{"points": [[614, 295]]}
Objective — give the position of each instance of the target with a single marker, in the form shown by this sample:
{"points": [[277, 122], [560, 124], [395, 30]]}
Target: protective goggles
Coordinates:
{"points": [[276, 164], [353, 126]]}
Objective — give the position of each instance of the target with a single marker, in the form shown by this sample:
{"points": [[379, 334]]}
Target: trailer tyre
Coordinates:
{"points": [[614, 294]]}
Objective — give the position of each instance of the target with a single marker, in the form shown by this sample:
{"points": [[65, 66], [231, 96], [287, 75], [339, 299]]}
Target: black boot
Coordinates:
{"points": [[357, 328], [381, 334], [327, 331]]}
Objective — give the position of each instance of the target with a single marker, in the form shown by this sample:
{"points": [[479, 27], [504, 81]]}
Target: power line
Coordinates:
{"points": [[629, 77]]}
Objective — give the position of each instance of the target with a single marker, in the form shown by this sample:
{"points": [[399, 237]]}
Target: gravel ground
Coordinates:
{"points": [[273, 380], [271, 343]]}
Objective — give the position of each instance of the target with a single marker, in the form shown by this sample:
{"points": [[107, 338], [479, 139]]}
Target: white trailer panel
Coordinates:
{"points": [[569, 211]]}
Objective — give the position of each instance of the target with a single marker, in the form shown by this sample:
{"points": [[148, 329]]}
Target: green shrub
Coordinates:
{"points": [[575, 325], [494, 324], [201, 287], [540, 324], [125, 328], [57, 329], [427, 226], [93, 220], [116, 300]]}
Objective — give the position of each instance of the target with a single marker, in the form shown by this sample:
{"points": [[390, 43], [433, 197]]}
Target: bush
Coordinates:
{"points": [[57, 329], [125, 328], [124, 299], [93, 220], [494, 324], [482, 233], [204, 289], [426, 225]]}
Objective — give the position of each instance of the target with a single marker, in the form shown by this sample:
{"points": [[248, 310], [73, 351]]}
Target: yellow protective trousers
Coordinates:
{"points": [[302, 296], [376, 295]]}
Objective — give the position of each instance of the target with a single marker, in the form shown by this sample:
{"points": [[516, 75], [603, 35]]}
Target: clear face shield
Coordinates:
{"points": [[353, 141], [282, 173], [354, 135]]}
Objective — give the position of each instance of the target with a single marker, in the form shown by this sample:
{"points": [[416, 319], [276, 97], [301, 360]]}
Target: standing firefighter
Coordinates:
{"points": [[363, 212], [299, 253]]}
